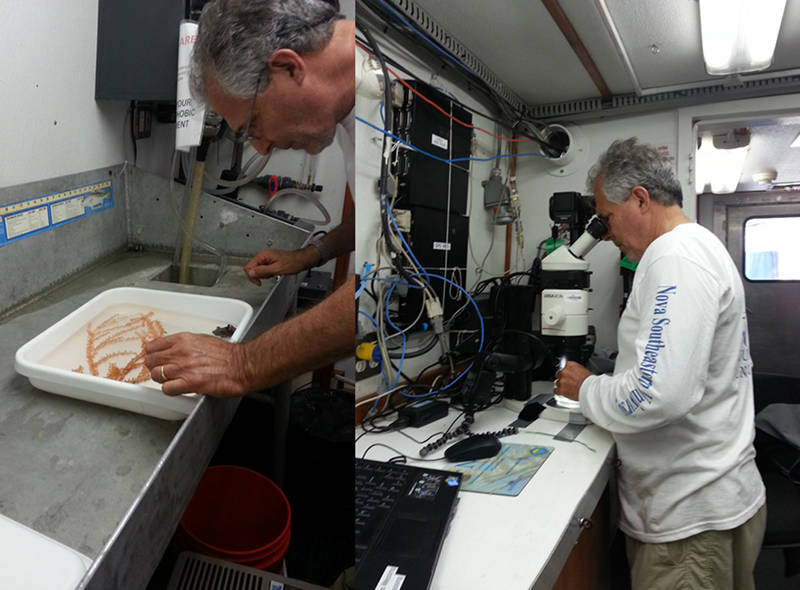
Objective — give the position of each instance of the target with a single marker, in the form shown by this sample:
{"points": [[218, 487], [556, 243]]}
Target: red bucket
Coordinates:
{"points": [[238, 515]]}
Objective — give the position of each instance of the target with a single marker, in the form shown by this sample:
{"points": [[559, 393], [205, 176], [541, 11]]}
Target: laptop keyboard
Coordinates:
{"points": [[377, 487]]}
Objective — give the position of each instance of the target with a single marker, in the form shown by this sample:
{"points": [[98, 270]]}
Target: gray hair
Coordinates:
{"points": [[628, 163], [235, 39]]}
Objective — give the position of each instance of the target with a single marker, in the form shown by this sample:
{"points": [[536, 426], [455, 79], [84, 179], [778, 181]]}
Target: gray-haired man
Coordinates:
{"points": [[680, 401], [282, 73]]}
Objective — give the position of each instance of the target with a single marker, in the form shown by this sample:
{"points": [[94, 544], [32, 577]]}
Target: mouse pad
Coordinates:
{"points": [[507, 473]]}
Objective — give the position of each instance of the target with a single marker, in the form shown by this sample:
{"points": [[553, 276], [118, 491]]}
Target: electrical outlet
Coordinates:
{"points": [[366, 368], [142, 122]]}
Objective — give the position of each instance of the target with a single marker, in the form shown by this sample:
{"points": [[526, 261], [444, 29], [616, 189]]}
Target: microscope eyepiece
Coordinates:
{"points": [[596, 228]]}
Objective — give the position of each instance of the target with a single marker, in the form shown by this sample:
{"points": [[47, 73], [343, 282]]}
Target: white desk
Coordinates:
{"points": [[512, 542]]}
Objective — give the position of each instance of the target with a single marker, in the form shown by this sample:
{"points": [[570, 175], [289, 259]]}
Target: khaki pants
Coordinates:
{"points": [[346, 580], [711, 560]]}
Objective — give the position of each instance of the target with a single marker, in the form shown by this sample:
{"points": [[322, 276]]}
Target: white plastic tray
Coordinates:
{"points": [[32, 561], [48, 359]]}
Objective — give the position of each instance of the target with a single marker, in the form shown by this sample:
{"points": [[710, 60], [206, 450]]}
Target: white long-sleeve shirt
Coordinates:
{"points": [[680, 401]]}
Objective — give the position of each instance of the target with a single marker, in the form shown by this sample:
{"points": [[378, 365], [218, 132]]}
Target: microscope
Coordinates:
{"points": [[565, 296], [564, 307], [526, 359]]}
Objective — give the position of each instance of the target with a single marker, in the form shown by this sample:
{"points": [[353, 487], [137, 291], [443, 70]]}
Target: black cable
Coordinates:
{"points": [[419, 442], [504, 122], [132, 110], [511, 113], [423, 371], [402, 374], [399, 66], [384, 174], [399, 454], [414, 37]]}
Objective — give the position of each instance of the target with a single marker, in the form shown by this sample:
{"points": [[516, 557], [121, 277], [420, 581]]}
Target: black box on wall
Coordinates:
{"points": [[137, 49], [424, 180], [438, 240]]}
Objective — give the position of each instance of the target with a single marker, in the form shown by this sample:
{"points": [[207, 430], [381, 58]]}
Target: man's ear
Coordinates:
{"points": [[642, 198], [287, 62]]}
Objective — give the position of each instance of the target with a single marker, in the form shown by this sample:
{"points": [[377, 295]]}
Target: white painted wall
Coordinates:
{"points": [[53, 125]]}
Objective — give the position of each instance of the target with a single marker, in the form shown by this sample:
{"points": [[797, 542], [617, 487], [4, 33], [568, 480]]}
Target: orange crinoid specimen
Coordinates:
{"points": [[115, 346]]}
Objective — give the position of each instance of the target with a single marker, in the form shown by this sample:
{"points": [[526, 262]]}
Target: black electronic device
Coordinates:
{"points": [[477, 446], [402, 514], [465, 336], [437, 239], [515, 306], [422, 412], [571, 209], [410, 304], [531, 412], [423, 180], [137, 49]]}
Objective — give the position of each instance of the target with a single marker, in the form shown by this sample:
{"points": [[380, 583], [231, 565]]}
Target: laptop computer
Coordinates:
{"points": [[402, 513]]}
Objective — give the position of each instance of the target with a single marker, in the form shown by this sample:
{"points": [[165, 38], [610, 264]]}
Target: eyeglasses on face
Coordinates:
{"points": [[245, 134]]}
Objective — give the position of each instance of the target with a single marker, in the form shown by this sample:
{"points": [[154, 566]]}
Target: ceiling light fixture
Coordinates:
{"points": [[720, 161], [739, 36]]}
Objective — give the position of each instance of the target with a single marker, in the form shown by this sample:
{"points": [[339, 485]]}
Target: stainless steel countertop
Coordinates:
{"points": [[109, 483]]}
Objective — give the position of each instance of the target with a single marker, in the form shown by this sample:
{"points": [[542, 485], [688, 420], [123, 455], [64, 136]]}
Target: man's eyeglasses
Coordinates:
{"points": [[244, 134]]}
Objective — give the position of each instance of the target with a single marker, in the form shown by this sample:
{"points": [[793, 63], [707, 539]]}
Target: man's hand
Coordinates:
{"points": [[268, 263], [186, 363], [569, 380]]}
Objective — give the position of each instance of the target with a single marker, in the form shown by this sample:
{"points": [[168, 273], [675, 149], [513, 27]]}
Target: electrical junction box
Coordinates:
{"points": [[423, 180], [438, 240], [137, 49]]}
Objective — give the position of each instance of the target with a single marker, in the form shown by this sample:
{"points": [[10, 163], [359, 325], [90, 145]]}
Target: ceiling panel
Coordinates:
{"points": [[587, 21], [655, 43], [520, 43], [661, 39], [787, 49]]}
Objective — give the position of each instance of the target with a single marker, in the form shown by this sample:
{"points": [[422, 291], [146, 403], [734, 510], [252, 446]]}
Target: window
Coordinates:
{"points": [[772, 249]]}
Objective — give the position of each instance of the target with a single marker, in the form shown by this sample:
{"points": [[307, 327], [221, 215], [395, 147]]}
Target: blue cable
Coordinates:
{"points": [[375, 323], [372, 319], [405, 340], [480, 345], [388, 296], [445, 160], [409, 285], [408, 248]]}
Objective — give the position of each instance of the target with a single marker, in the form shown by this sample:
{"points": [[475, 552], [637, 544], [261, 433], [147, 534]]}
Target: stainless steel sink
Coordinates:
{"points": [[202, 275]]}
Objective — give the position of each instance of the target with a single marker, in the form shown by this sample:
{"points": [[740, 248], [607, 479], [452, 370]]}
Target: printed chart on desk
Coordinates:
{"points": [[507, 473]]}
